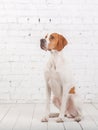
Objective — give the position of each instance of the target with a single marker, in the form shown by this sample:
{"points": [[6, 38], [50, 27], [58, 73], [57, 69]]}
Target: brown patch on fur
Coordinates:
{"points": [[72, 90]]}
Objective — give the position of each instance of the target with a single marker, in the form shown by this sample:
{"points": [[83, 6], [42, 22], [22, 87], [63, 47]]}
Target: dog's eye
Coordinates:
{"points": [[51, 37], [45, 36]]}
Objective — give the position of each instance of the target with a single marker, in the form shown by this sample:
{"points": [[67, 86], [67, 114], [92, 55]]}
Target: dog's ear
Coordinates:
{"points": [[62, 42], [53, 41]]}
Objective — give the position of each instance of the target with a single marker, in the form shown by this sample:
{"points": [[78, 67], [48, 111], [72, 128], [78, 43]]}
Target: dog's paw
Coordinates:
{"points": [[53, 115], [44, 119], [59, 120], [69, 116], [77, 119]]}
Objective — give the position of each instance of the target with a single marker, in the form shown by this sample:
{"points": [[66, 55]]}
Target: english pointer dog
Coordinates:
{"points": [[59, 80]]}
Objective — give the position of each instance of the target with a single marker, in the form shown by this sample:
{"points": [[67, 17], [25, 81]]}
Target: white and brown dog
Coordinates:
{"points": [[59, 80]]}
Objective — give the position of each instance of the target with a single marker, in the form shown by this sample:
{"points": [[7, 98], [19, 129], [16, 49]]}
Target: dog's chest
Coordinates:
{"points": [[54, 61], [54, 77]]}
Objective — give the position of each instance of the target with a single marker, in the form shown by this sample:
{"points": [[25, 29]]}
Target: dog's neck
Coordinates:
{"points": [[56, 55]]}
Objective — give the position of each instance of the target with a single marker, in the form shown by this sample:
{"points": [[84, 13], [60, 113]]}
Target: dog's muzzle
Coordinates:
{"points": [[42, 43]]}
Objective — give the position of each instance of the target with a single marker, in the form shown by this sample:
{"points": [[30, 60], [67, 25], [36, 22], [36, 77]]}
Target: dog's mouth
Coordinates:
{"points": [[43, 44]]}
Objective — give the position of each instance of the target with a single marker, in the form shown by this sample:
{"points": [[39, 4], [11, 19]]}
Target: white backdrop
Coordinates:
{"points": [[23, 23]]}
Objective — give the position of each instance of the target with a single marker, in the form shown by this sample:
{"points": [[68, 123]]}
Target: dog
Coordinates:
{"points": [[59, 80]]}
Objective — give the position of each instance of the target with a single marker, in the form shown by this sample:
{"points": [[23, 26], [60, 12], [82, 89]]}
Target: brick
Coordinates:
{"points": [[54, 1]]}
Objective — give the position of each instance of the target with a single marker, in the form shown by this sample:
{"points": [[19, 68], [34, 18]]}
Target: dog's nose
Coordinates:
{"points": [[42, 40]]}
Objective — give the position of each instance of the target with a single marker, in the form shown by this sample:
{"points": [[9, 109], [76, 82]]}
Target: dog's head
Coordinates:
{"points": [[53, 41]]}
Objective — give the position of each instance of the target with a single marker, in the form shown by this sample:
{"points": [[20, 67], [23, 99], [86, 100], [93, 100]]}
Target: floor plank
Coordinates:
{"points": [[39, 111], [23, 121], [95, 105], [87, 123], [93, 113], [10, 118], [72, 125], [36, 119], [52, 125], [4, 109]]}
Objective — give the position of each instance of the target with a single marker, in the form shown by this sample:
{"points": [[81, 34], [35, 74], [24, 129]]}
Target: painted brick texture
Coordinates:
{"points": [[23, 23]]}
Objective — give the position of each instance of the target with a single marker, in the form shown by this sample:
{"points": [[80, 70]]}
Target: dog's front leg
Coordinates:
{"points": [[47, 109], [65, 93]]}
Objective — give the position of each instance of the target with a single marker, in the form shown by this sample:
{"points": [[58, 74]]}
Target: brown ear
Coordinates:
{"points": [[53, 41], [61, 43]]}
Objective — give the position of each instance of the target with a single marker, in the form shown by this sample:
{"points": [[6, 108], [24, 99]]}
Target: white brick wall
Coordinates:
{"points": [[23, 23]]}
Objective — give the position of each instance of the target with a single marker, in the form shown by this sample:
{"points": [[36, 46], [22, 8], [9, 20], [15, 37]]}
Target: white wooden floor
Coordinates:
{"points": [[27, 117]]}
